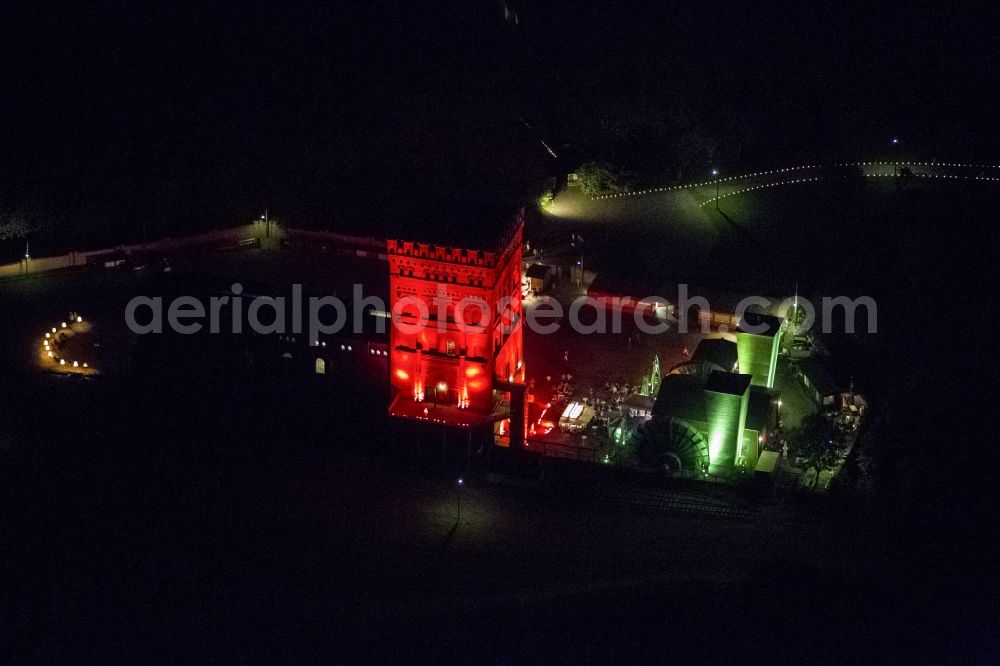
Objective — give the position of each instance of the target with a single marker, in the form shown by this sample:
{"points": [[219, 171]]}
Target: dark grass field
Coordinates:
{"points": [[174, 518], [829, 236], [180, 509]]}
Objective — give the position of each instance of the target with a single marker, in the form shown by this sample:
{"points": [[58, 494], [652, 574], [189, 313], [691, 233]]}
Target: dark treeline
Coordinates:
{"points": [[120, 116]]}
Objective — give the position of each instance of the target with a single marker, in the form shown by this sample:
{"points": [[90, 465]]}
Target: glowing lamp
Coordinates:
{"points": [[62, 361], [79, 320], [76, 364], [64, 324]]}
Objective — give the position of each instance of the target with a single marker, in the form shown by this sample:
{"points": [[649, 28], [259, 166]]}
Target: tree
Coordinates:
{"points": [[904, 175], [818, 443], [735, 133], [692, 145], [599, 178], [545, 201], [694, 149], [797, 317], [16, 224]]}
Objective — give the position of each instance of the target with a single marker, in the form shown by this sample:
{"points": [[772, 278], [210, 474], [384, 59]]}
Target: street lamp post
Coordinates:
{"points": [[577, 239], [580, 283], [895, 142], [795, 313], [715, 172], [458, 497]]}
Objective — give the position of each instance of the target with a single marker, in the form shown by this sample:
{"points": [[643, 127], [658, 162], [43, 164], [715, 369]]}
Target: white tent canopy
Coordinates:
{"points": [[576, 416]]}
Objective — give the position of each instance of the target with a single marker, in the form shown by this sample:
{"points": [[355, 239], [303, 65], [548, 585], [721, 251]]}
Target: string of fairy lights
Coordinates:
{"points": [[943, 176], [762, 187], [936, 175], [929, 164], [688, 186], [808, 167], [51, 345]]}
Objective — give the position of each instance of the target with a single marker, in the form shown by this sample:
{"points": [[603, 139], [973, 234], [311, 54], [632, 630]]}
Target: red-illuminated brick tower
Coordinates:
{"points": [[456, 337]]}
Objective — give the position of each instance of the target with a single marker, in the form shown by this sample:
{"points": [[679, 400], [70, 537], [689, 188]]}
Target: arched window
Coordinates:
{"points": [[320, 366]]}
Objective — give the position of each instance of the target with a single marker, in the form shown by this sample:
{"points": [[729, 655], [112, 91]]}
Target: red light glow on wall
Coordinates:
{"points": [[445, 356]]}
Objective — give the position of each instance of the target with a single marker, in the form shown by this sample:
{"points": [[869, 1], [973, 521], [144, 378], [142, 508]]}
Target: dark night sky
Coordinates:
{"points": [[150, 110], [118, 114]]}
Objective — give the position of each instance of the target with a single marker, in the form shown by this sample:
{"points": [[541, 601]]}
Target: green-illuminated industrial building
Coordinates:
{"points": [[714, 413], [758, 338]]}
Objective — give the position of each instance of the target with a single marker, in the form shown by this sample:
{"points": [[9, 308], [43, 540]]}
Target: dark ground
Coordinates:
{"points": [[181, 510], [187, 117], [195, 522], [178, 512]]}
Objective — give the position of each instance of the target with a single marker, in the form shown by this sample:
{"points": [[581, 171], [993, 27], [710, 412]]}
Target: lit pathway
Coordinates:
{"points": [[758, 180], [676, 230]]}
